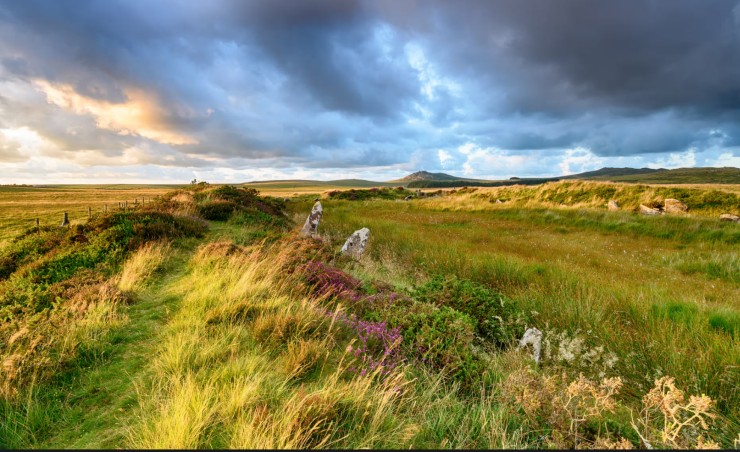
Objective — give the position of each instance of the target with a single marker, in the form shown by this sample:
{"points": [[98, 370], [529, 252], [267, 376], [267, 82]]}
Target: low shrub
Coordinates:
{"points": [[216, 210], [494, 316]]}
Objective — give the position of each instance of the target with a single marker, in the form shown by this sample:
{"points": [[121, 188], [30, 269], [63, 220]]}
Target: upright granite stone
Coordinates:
{"points": [[356, 243], [674, 206], [612, 205], [312, 222]]}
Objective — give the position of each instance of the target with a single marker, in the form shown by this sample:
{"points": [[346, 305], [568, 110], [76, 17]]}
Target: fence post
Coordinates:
{"points": [[89, 212], [105, 208], [37, 223], [65, 220]]}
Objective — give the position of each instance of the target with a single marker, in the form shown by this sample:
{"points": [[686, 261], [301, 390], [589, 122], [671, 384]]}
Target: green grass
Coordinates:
{"points": [[222, 343], [578, 270]]}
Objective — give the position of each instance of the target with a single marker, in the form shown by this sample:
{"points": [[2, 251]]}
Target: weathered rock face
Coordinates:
{"points": [[312, 222], [729, 217], [645, 210], [356, 243], [674, 206], [532, 337], [612, 205]]}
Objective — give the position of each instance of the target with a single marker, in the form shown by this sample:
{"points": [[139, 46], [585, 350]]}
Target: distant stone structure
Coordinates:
{"points": [[674, 206], [312, 222], [532, 337], [65, 220], [645, 210], [612, 205], [356, 243]]}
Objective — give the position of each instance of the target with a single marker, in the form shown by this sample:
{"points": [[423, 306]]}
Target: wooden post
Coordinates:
{"points": [[37, 223], [65, 220], [89, 212], [105, 208]]}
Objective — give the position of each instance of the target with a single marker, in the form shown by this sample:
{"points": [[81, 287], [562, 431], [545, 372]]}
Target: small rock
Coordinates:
{"points": [[498, 201], [645, 210], [532, 337], [408, 198], [356, 243], [674, 206], [612, 205], [312, 222], [729, 217]]}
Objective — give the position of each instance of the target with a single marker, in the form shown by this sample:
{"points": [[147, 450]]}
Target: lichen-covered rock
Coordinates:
{"points": [[729, 217], [532, 337], [674, 206], [356, 243], [645, 210], [312, 222], [612, 205]]}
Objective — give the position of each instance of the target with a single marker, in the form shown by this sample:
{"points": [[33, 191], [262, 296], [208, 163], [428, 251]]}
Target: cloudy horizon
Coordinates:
{"points": [[233, 91]]}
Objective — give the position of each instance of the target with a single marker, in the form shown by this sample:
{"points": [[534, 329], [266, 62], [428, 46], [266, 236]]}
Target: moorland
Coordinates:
{"points": [[202, 317]]}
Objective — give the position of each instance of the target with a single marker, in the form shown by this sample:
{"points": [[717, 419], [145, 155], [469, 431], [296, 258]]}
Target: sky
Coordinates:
{"points": [[147, 91]]}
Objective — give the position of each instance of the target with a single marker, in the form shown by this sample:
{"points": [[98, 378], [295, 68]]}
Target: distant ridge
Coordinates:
{"points": [[613, 172], [708, 175]]}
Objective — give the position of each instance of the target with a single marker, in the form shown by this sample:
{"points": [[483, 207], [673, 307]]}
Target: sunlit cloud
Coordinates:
{"points": [[138, 115]]}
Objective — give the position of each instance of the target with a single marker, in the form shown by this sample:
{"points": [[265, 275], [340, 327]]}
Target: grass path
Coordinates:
{"points": [[99, 405]]}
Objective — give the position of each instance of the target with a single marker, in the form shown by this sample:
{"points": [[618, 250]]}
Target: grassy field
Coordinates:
{"points": [[20, 206], [157, 329]]}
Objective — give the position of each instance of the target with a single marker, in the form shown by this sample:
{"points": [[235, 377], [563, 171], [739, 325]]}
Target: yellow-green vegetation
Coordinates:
{"points": [[20, 206], [203, 320]]}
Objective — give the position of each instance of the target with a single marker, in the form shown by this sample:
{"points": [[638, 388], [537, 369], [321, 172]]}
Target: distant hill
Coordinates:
{"points": [[726, 175], [708, 175], [613, 172], [427, 176]]}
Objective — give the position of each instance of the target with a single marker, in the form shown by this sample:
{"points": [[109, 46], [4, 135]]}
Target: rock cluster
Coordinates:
{"points": [[674, 206], [645, 210]]}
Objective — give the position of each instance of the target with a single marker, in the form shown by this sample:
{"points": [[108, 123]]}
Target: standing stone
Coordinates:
{"points": [[612, 205], [729, 217], [65, 220], [532, 337], [645, 210], [674, 206], [356, 243], [312, 222]]}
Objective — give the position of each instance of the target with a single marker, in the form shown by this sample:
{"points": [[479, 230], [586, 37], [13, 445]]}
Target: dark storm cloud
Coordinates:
{"points": [[354, 84]]}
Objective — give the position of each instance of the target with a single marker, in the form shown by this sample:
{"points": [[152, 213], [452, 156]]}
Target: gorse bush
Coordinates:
{"points": [[216, 210], [371, 193], [495, 317]]}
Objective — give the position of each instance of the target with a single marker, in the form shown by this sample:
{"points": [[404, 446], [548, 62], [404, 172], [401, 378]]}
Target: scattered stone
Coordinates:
{"points": [[612, 205], [729, 217], [408, 198], [286, 199], [356, 243], [645, 210], [498, 201], [312, 222], [532, 337], [674, 206]]}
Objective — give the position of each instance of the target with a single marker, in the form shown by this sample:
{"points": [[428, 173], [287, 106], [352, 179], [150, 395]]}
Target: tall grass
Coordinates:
{"points": [[606, 286], [249, 362]]}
